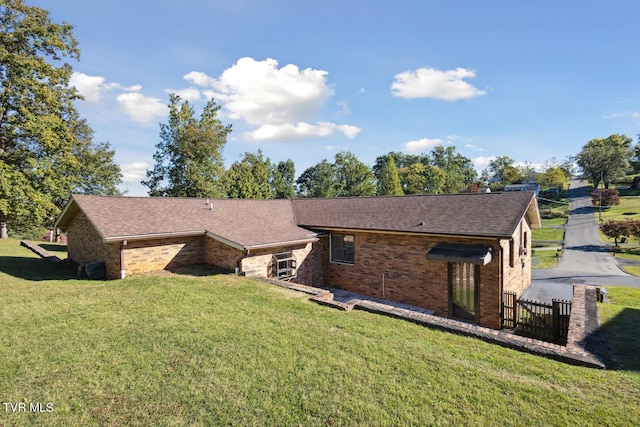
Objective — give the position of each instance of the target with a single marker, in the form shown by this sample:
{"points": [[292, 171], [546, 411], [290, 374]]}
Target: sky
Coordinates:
{"points": [[300, 80]]}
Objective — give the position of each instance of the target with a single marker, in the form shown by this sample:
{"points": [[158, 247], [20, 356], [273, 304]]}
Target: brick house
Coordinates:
{"points": [[453, 254]]}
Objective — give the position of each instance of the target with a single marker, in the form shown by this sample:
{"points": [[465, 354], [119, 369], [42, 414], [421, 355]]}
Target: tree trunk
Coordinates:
{"points": [[3, 230]]}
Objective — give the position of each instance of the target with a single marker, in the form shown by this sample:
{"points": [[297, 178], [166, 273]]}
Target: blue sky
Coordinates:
{"points": [[531, 80]]}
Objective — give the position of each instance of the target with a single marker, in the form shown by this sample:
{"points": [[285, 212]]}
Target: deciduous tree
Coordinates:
{"points": [[317, 181], [553, 177], [388, 179], [617, 229], [458, 169], [46, 152], [605, 159], [500, 168], [352, 177], [188, 158], [283, 179], [249, 177], [605, 197]]}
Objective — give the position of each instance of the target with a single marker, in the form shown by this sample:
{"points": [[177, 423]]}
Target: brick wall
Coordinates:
{"points": [[308, 257], [221, 255], [517, 266], [84, 244], [409, 277], [143, 256]]}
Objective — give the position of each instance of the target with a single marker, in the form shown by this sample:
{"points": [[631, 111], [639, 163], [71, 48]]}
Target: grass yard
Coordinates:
{"points": [[629, 208], [551, 234], [553, 206], [226, 350], [548, 234], [545, 258]]}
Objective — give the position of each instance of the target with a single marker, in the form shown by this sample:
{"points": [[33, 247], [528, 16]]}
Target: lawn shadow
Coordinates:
{"points": [[584, 210], [590, 248], [621, 340], [198, 270], [52, 247], [37, 269]]}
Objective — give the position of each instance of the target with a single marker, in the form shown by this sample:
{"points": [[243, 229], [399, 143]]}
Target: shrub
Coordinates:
{"points": [[606, 196]]}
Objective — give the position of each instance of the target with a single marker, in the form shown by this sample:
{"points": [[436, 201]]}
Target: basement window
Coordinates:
{"points": [[284, 266], [342, 248]]}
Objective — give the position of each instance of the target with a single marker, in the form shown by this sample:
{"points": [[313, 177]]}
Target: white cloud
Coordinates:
{"points": [[142, 109], [421, 144], [300, 130], [189, 94], [280, 103], [432, 83], [482, 161], [473, 147], [626, 115], [88, 86], [349, 131], [133, 173], [134, 88], [199, 78], [344, 108]]}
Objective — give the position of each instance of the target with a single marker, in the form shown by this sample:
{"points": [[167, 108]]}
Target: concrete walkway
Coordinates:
{"points": [[582, 344]]}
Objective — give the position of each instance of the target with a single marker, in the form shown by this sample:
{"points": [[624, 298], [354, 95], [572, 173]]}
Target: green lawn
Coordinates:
{"points": [[549, 235], [225, 350], [629, 208]]}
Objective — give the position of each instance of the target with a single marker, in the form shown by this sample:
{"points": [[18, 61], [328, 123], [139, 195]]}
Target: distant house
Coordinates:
{"points": [[453, 254], [527, 186]]}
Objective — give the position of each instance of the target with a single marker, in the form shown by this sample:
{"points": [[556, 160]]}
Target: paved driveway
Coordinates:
{"points": [[585, 259]]}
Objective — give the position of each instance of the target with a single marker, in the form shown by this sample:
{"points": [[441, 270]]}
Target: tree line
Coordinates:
{"points": [[47, 151]]}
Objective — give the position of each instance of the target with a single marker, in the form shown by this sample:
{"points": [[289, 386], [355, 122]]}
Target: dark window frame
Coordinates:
{"points": [[343, 248]]}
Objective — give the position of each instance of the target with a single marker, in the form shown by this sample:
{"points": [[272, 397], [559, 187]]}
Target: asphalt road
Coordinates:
{"points": [[585, 259]]}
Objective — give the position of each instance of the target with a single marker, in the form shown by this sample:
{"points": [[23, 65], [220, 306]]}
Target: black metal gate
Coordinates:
{"points": [[549, 322]]}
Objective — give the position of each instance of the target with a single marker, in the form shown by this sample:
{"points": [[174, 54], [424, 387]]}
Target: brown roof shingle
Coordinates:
{"points": [[468, 214], [246, 223], [259, 223]]}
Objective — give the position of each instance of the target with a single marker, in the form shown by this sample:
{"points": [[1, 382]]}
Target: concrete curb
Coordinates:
{"points": [[40, 251]]}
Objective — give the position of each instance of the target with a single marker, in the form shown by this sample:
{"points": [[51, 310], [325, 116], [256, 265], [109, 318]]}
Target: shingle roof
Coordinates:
{"points": [[243, 223], [467, 214], [260, 223]]}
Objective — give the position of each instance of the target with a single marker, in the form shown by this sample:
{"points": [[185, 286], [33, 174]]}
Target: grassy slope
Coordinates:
{"points": [[629, 208], [231, 351]]}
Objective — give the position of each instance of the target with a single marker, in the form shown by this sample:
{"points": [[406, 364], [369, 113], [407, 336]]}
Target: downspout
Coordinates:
{"points": [[123, 271], [383, 275]]}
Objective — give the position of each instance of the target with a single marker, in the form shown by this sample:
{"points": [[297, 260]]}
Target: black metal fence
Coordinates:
{"points": [[549, 322]]}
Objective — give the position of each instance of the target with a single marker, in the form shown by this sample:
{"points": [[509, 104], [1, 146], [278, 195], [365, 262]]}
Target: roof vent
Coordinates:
{"points": [[421, 222], [210, 206]]}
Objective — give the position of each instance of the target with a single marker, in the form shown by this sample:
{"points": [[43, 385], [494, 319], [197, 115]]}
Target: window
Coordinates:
{"points": [[283, 266], [342, 248]]}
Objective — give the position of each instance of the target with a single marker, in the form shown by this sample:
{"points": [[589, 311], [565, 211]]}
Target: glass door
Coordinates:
{"points": [[463, 291]]}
